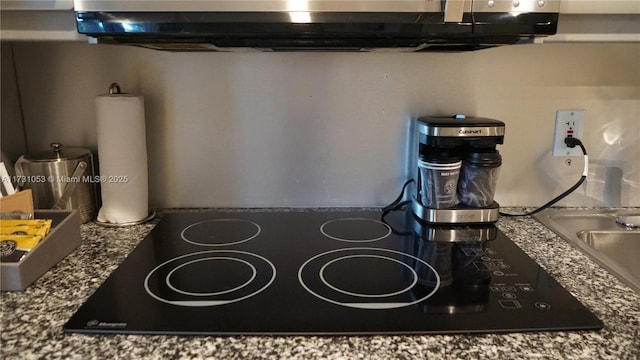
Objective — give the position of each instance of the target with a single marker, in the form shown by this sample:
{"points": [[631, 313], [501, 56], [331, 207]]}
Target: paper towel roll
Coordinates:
{"points": [[122, 152]]}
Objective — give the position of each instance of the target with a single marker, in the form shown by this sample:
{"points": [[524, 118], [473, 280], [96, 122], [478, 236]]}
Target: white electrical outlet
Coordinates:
{"points": [[568, 123]]}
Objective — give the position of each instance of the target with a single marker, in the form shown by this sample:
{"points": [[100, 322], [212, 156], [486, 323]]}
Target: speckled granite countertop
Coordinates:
{"points": [[32, 320]]}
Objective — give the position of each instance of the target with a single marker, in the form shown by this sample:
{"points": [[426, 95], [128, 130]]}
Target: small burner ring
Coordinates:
{"points": [[172, 287], [257, 227], [407, 288], [323, 230]]}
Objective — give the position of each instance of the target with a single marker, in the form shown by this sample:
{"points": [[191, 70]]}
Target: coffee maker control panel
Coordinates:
{"points": [[455, 131]]}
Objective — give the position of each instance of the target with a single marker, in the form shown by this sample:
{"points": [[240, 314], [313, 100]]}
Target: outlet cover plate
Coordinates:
{"points": [[568, 122]]}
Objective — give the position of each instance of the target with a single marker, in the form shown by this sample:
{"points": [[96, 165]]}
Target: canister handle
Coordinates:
{"points": [[71, 186], [57, 149], [19, 172]]}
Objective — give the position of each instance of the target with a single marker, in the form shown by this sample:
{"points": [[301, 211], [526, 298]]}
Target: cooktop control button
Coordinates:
{"points": [[542, 305], [510, 304]]}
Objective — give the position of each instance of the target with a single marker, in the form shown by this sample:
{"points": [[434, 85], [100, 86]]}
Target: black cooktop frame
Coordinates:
{"points": [[493, 287]]}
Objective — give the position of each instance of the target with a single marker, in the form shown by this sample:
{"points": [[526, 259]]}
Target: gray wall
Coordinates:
{"points": [[331, 129], [12, 136]]}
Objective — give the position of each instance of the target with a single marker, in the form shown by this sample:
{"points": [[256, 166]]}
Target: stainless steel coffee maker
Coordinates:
{"points": [[457, 167]]}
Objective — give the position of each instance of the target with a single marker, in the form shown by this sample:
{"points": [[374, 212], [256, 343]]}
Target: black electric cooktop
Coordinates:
{"points": [[321, 272]]}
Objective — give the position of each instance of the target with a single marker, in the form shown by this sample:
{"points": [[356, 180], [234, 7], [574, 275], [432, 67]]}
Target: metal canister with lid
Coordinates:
{"points": [[60, 179]]}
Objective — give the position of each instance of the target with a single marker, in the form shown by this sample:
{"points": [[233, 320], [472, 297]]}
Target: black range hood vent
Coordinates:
{"points": [[215, 25]]}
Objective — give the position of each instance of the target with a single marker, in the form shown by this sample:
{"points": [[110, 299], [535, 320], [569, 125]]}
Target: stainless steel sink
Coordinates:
{"points": [[597, 234]]}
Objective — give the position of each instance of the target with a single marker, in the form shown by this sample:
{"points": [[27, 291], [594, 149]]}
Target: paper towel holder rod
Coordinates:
{"points": [[114, 89]]}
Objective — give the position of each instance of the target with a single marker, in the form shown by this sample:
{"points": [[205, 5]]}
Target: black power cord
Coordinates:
{"points": [[398, 203], [571, 142]]}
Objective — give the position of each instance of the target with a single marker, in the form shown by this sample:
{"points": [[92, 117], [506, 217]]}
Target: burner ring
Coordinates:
{"points": [[325, 233], [172, 287], [415, 276], [360, 304], [212, 301], [253, 236]]}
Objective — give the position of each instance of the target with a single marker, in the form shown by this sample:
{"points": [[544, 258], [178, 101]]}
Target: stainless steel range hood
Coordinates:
{"points": [[341, 25]]}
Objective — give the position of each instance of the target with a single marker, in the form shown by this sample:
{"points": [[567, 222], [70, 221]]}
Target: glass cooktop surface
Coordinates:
{"points": [[322, 273]]}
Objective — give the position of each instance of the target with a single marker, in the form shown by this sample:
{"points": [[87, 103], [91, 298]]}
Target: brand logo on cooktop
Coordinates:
{"points": [[106, 325]]}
